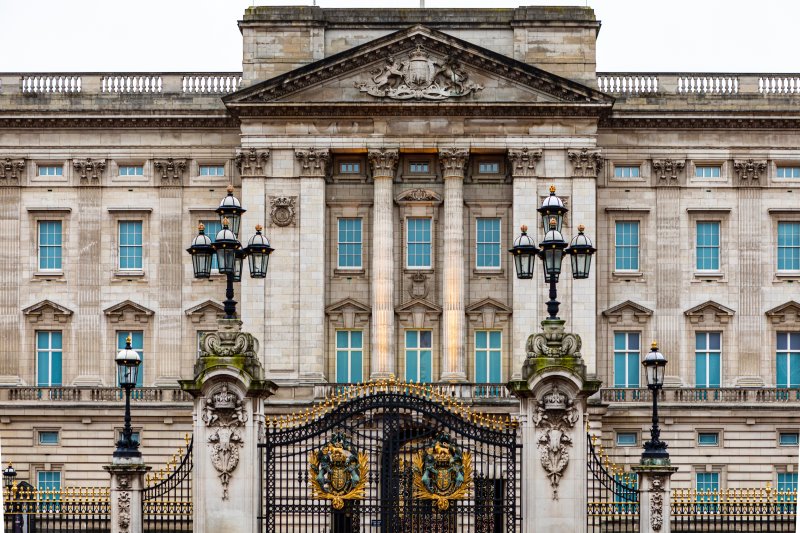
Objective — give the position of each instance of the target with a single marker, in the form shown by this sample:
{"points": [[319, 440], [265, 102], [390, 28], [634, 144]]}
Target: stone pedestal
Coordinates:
{"points": [[127, 484], [228, 391], [654, 497]]}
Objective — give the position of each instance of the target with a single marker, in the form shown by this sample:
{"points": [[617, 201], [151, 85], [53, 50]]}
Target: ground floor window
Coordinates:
{"points": [[418, 355], [349, 356]]}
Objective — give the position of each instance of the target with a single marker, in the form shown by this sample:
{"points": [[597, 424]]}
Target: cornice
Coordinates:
{"points": [[78, 121], [699, 122]]}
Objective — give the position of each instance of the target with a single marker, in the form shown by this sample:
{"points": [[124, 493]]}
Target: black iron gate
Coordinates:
{"points": [[167, 503], [390, 457], [612, 495]]}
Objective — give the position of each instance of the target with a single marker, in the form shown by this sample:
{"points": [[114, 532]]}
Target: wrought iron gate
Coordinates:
{"points": [[390, 457], [167, 503], [612, 495]]}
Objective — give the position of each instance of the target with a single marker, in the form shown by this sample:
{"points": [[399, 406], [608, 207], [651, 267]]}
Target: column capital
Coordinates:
{"points": [[250, 161], [313, 162], [453, 161], [586, 163], [523, 161], [383, 162]]}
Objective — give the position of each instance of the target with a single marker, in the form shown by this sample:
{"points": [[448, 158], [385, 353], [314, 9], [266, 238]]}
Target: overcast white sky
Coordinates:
{"points": [[202, 35]]}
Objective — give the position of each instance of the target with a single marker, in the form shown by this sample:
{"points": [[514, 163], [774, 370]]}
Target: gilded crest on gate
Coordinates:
{"points": [[338, 472], [442, 472]]}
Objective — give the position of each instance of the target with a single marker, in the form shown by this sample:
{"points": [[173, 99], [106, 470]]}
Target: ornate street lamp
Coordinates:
{"points": [[232, 209], [654, 363], [9, 474], [128, 362]]}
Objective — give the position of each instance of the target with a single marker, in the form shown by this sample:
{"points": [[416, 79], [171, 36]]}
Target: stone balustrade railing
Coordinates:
{"points": [[197, 83], [91, 394], [726, 84], [698, 395], [484, 392]]}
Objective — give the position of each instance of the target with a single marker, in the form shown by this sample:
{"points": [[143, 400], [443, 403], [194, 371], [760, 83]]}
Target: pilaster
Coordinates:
{"points": [[10, 317], [655, 497], [170, 275], [669, 319], [750, 321]]}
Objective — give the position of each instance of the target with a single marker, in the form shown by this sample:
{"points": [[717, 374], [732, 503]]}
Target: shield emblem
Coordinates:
{"points": [[420, 70]]}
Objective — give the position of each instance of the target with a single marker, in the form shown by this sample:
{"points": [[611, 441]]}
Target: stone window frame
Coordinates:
{"points": [[349, 314], [773, 172], [642, 164], [356, 209], [114, 167], [778, 215], [777, 323], [35, 468], [42, 214], [429, 208], [635, 430], [476, 210], [419, 314], [408, 176], [203, 317], [129, 214], [724, 170], [721, 215], [709, 468], [489, 314], [360, 176], [480, 177], [703, 318], [38, 430], [639, 319], [642, 350], [130, 316], [61, 179], [781, 430], [436, 352], [788, 468], [720, 432], [46, 315], [641, 215]]}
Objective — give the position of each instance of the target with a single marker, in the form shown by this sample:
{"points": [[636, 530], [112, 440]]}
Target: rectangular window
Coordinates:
{"points": [[708, 355], [788, 172], [627, 246], [488, 243], [627, 438], [137, 344], [789, 246], [489, 167], [418, 355], [626, 359], [789, 439], [130, 245], [131, 170], [50, 245], [419, 167], [418, 253], [349, 243], [707, 481], [349, 356], [707, 246], [212, 170], [349, 167], [787, 482], [48, 438], [48, 481], [488, 356], [708, 439], [51, 170], [212, 227], [626, 171], [788, 360], [707, 171], [48, 358]]}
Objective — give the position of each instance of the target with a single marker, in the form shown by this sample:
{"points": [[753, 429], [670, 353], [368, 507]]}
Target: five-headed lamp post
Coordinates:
{"points": [[128, 362], [654, 363]]}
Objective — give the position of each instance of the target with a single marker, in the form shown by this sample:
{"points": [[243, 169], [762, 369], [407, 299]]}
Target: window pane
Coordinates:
{"points": [[787, 482], [627, 246], [481, 366], [342, 366], [425, 339], [48, 437], [50, 245], [425, 366], [130, 245], [626, 439], [488, 243], [349, 242], [789, 246], [708, 439], [707, 247], [419, 242], [488, 168], [789, 439]]}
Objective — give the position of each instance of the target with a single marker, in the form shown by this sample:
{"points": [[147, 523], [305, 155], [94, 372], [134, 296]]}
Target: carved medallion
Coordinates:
{"points": [[442, 472], [224, 412], [282, 211], [338, 472]]}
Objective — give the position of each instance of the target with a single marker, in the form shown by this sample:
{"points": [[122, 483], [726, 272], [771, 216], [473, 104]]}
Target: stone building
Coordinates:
{"points": [[392, 156]]}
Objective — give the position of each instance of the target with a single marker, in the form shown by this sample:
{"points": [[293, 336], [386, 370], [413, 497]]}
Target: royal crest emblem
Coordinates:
{"points": [[442, 472], [338, 473]]}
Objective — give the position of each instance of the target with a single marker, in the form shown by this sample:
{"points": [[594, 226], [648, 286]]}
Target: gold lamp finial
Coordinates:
{"points": [[259, 227], [581, 227], [128, 339], [201, 227], [230, 188], [552, 189], [654, 345], [524, 228]]}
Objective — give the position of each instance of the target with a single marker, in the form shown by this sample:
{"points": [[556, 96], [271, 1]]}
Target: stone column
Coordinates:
{"points": [[655, 497], [12, 172], [382, 363], [127, 484], [453, 161], [228, 391]]}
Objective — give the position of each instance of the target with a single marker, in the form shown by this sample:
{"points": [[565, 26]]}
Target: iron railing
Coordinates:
{"points": [[84, 509], [167, 500], [612, 495], [762, 509]]}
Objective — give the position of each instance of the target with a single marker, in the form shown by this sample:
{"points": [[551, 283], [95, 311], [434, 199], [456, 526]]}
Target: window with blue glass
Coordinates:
{"points": [[212, 170], [47, 480], [418, 243], [707, 171], [130, 245], [418, 355], [708, 355], [349, 243], [626, 171], [349, 356], [488, 243], [787, 482], [788, 359], [627, 438], [212, 227], [707, 249], [626, 359], [51, 170], [707, 486], [626, 244], [49, 353], [788, 172], [708, 438], [788, 439], [48, 438], [131, 170], [50, 241], [488, 167], [789, 246], [137, 344], [488, 361]]}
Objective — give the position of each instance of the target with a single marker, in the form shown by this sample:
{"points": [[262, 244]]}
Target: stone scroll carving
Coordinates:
{"points": [[11, 171], [585, 163], [554, 342], [667, 170], [227, 343], [224, 413], [523, 162], [555, 416], [657, 503], [419, 77], [90, 170], [251, 161], [749, 170], [282, 210], [171, 170]]}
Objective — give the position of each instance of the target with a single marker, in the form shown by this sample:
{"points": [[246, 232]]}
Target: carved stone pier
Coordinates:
{"points": [[655, 496], [228, 390]]}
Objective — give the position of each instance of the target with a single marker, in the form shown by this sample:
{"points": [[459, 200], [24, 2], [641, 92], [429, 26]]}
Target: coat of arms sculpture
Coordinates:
{"points": [[442, 472], [338, 472]]}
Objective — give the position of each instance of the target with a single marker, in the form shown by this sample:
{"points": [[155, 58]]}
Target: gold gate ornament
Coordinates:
{"points": [[442, 472], [338, 473]]}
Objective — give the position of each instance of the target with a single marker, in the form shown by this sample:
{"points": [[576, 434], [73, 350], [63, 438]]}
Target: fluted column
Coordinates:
{"points": [[384, 163], [453, 162]]}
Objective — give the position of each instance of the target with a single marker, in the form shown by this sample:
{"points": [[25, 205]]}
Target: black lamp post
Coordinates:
{"points": [[229, 251], [552, 250], [654, 363], [9, 474], [128, 362]]}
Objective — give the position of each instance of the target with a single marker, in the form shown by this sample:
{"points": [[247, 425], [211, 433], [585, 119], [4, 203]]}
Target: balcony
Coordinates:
{"points": [[689, 395], [92, 394]]}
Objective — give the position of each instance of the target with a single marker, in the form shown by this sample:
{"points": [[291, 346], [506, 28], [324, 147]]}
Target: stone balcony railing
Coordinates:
{"points": [[466, 392], [733, 395], [92, 394], [189, 84], [677, 83]]}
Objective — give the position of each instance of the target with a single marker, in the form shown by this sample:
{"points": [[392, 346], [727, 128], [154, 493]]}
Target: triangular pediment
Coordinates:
{"points": [[348, 304], [198, 312], [788, 313], [488, 303], [418, 304], [47, 310], [711, 309], [628, 311], [416, 67], [128, 310], [488, 313]]}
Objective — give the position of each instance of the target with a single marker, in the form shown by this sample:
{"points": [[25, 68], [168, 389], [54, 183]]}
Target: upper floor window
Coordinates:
{"points": [[349, 167], [131, 170], [211, 170], [787, 482], [787, 358], [627, 246], [627, 438], [50, 245], [707, 481], [137, 344], [48, 358], [488, 356], [212, 227], [626, 359], [708, 352], [349, 356], [788, 172], [489, 167], [789, 439], [488, 243], [789, 246], [707, 246], [418, 355], [48, 438], [707, 171], [418, 243], [51, 170], [349, 243], [708, 439], [130, 245], [419, 167], [626, 171]]}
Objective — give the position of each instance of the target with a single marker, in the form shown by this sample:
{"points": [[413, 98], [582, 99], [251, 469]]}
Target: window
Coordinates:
{"points": [[50, 245], [626, 359], [488, 243], [349, 243], [706, 171], [707, 481], [788, 359], [47, 438], [707, 246], [51, 170], [349, 356], [708, 439], [131, 170], [47, 480], [418, 356], [419, 243], [626, 171], [627, 438], [212, 170], [788, 439], [349, 167], [627, 246], [130, 245], [419, 167], [787, 482], [789, 246], [48, 358], [212, 227], [137, 344], [788, 172], [488, 356], [708, 350], [489, 167]]}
